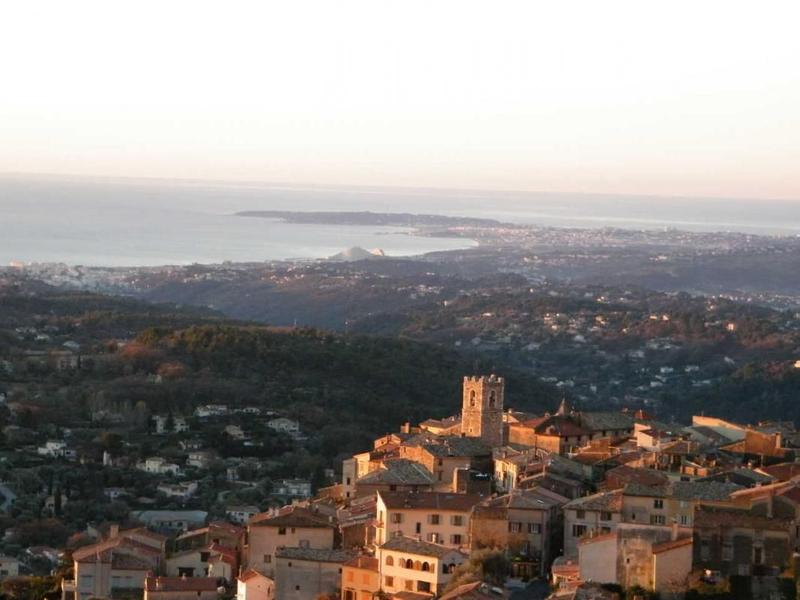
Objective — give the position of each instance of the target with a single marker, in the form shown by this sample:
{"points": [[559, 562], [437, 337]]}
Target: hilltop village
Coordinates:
{"points": [[485, 504]]}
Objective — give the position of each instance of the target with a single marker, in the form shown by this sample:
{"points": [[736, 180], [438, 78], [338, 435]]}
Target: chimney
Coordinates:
{"points": [[674, 533], [113, 532]]}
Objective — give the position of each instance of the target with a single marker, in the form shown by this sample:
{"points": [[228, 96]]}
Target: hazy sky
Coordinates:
{"points": [[698, 97]]}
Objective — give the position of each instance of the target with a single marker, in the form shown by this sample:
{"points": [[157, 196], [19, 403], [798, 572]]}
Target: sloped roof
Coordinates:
{"points": [[412, 546], [606, 420], [316, 554], [671, 545], [637, 475], [295, 516], [476, 590], [429, 501], [606, 501], [783, 471], [251, 574], [398, 471]]}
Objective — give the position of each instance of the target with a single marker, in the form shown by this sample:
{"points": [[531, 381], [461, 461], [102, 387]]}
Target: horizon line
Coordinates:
{"points": [[370, 188]]}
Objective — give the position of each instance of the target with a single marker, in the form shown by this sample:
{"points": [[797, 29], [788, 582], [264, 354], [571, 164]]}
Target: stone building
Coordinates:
{"points": [[482, 409], [293, 527], [430, 516], [409, 565], [308, 573], [736, 541], [361, 578], [526, 524]]}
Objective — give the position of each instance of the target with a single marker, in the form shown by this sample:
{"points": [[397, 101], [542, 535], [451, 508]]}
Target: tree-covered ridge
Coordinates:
{"points": [[340, 385]]}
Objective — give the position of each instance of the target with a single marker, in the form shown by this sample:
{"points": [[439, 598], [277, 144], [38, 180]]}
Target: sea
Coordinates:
{"points": [[143, 222]]}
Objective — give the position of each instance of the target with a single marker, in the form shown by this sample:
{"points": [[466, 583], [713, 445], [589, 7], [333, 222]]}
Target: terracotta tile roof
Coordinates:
{"points": [[412, 546], [144, 532], [476, 590], [671, 545], [714, 491], [783, 471], [624, 474], [602, 537], [101, 547], [180, 584], [606, 420], [429, 501], [398, 471], [707, 517], [316, 554], [251, 574], [295, 516], [605, 501], [228, 528], [556, 425]]}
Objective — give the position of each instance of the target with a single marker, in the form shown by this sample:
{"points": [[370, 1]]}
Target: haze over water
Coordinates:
{"points": [[151, 222]]}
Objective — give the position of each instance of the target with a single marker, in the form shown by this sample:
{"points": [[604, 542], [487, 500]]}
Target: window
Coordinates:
{"points": [[534, 528], [434, 538], [409, 585], [581, 514], [578, 530], [268, 558], [397, 518], [684, 519], [514, 527], [440, 461], [472, 398], [457, 520], [424, 586], [388, 581], [658, 503], [455, 539], [605, 515], [426, 567], [348, 481], [492, 399], [281, 530], [658, 520], [727, 551], [433, 519], [418, 528], [704, 550], [204, 556], [389, 560], [758, 555], [297, 588]]}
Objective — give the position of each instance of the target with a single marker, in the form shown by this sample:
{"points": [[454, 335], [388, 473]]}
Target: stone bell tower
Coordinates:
{"points": [[482, 409]]}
